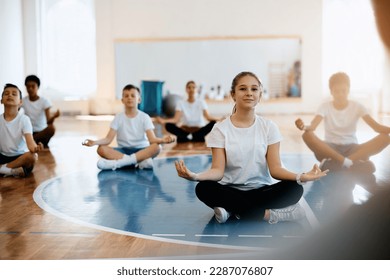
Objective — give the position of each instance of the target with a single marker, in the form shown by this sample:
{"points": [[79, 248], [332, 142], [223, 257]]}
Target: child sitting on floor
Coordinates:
{"points": [[135, 136], [17, 145], [190, 113], [37, 108], [340, 147]]}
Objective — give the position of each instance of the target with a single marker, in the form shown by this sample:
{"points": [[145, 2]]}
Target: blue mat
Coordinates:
{"points": [[157, 204]]}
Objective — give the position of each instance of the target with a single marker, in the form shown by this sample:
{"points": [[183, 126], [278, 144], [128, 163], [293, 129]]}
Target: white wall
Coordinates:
{"points": [[31, 38], [11, 47], [384, 100], [118, 20], [128, 19], [105, 102]]}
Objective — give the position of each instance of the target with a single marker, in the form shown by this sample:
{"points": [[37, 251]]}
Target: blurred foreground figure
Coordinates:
{"points": [[361, 234], [364, 231]]}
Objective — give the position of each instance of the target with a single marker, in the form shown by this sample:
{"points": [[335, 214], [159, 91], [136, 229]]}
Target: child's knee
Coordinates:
{"points": [[307, 135], [169, 125], [203, 189], [385, 138], [156, 149], [101, 150], [28, 169], [51, 129], [295, 191], [29, 160]]}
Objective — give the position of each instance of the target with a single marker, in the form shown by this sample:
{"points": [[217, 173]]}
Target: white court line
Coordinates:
{"points": [[168, 234], [254, 235], [293, 236], [38, 198], [211, 235]]}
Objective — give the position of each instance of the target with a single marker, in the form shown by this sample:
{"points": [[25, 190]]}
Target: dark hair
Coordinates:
{"points": [[32, 78], [130, 87], [238, 77], [190, 82], [339, 78], [11, 86]]}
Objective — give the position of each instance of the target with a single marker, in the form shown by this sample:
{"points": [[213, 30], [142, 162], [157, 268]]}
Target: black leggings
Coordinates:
{"points": [[252, 202], [197, 136]]}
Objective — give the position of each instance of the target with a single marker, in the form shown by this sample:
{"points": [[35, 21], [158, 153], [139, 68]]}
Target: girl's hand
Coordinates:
{"points": [[184, 172], [169, 139], [88, 143], [314, 174]]}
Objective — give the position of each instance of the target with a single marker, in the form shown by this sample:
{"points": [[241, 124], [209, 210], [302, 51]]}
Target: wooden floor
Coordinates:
{"points": [[28, 232]]}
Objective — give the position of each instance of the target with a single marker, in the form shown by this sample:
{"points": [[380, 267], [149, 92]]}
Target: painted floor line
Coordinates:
{"points": [[254, 236], [38, 198], [169, 234], [211, 235], [292, 236]]}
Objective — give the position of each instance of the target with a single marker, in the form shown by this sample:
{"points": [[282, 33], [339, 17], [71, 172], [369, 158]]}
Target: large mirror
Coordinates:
{"points": [[211, 63]]}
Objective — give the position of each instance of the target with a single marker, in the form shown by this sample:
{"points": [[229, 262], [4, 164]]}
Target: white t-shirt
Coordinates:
{"points": [[246, 165], [35, 110], [340, 125], [12, 142], [131, 132], [192, 113]]}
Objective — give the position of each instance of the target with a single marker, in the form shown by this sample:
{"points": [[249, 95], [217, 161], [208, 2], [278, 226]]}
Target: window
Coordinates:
{"points": [[69, 47], [352, 45]]}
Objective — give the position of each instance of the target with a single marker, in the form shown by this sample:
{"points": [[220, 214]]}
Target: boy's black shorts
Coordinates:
{"points": [[6, 159]]}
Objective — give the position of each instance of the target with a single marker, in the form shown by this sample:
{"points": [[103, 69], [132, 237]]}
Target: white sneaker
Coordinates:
{"points": [[221, 215], [107, 164], [145, 164], [18, 172], [290, 213]]}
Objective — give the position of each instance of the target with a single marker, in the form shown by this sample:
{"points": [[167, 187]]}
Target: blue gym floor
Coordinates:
{"points": [[157, 204]]}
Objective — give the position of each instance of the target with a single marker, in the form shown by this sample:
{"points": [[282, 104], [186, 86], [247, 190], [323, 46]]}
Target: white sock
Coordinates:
{"points": [[127, 160], [347, 162], [5, 170]]}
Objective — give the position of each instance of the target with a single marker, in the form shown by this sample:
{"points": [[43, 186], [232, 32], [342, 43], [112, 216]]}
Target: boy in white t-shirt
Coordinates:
{"points": [[17, 146], [137, 143], [37, 108], [340, 147], [188, 123]]}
